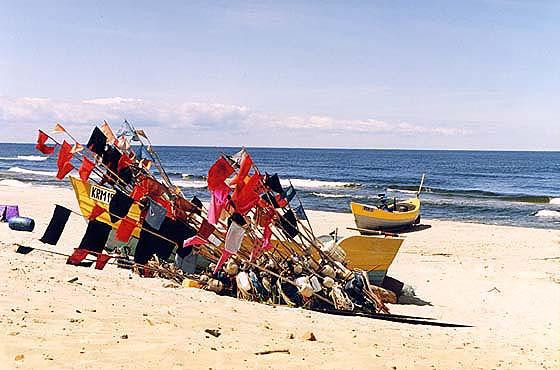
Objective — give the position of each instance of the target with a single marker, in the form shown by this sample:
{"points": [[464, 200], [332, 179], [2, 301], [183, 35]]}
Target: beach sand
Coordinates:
{"points": [[504, 281]]}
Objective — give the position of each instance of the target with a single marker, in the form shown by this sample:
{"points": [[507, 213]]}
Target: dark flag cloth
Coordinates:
{"points": [[300, 212], [237, 218], [126, 175], [22, 249], [97, 141], [148, 243], [56, 225], [273, 182], [269, 198], [198, 203], [146, 246], [156, 214], [111, 159], [85, 169], [289, 193], [101, 261], [41, 146], [77, 257], [125, 229], [119, 205], [96, 236], [288, 224]]}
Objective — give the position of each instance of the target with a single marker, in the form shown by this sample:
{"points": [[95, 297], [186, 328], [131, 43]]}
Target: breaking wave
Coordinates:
{"points": [[191, 183], [405, 191], [14, 183], [31, 172], [34, 158], [472, 193], [308, 183], [547, 213], [325, 195]]}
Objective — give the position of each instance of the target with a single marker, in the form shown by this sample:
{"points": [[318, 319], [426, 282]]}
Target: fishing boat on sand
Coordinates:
{"points": [[387, 214]]}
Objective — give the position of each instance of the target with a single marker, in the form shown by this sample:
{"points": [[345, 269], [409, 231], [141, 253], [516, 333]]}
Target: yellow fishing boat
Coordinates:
{"points": [[388, 215], [89, 194], [396, 215]]}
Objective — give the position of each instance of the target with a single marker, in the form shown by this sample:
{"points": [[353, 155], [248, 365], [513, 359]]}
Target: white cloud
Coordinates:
{"points": [[197, 117]]}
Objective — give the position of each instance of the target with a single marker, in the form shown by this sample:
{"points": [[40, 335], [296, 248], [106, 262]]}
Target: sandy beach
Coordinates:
{"points": [[503, 281]]}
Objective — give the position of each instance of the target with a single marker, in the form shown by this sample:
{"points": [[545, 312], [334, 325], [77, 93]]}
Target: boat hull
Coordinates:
{"points": [[371, 218], [373, 254], [89, 194]]}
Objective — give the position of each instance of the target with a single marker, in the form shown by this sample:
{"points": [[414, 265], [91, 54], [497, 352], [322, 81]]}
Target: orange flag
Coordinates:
{"points": [[108, 132], [58, 128], [77, 148]]}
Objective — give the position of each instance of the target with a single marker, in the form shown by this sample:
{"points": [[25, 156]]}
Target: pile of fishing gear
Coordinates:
{"points": [[250, 242]]}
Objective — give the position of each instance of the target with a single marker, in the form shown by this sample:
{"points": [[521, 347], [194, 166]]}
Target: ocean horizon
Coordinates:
{"points": [[519, 188]]}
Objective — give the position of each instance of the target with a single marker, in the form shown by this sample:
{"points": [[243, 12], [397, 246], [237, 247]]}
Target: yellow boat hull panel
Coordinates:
{"points": [[89, 194]]}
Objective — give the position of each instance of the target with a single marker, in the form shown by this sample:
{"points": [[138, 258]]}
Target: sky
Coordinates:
{"points": [[367, 74]]}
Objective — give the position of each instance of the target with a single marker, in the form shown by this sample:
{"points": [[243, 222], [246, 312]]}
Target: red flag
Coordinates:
{"points": [[139, 191], [218, 173], [155, 189], [223, 258], [102, 260], [125, 229], [124, 162], [247, 197], [64, 170], [96, 211], [64, 154], [86, 168], [195, 240], [63, 161], [41, 146], [206, 229], [244, 168], [78, 256]]}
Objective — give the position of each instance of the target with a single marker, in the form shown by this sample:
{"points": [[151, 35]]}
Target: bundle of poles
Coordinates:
{"points": [[293, 268]]}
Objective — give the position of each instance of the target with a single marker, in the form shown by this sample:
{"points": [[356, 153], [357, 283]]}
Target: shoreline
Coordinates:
{"points": [[28, 185], [502, 280]]}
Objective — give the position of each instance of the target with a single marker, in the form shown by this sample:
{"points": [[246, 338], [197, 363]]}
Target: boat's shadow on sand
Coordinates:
{"points": [[411, 229]]}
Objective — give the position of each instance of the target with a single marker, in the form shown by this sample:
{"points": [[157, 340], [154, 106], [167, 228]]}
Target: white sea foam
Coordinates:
{"points": [[554, 201], [548, 213], [313, 184], [31, 172], [14, 183], [190, 183], [34, 158], [326, 195], [401, 191]]}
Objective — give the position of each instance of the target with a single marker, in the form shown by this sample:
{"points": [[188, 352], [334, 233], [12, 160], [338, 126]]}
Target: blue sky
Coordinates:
{"points": [[377, 74]]}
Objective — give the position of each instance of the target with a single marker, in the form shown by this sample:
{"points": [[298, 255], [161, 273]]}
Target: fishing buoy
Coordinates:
{"points": [[21, 224]]}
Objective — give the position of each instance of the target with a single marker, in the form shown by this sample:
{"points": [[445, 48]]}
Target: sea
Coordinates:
{"points": [[491, 187]]}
